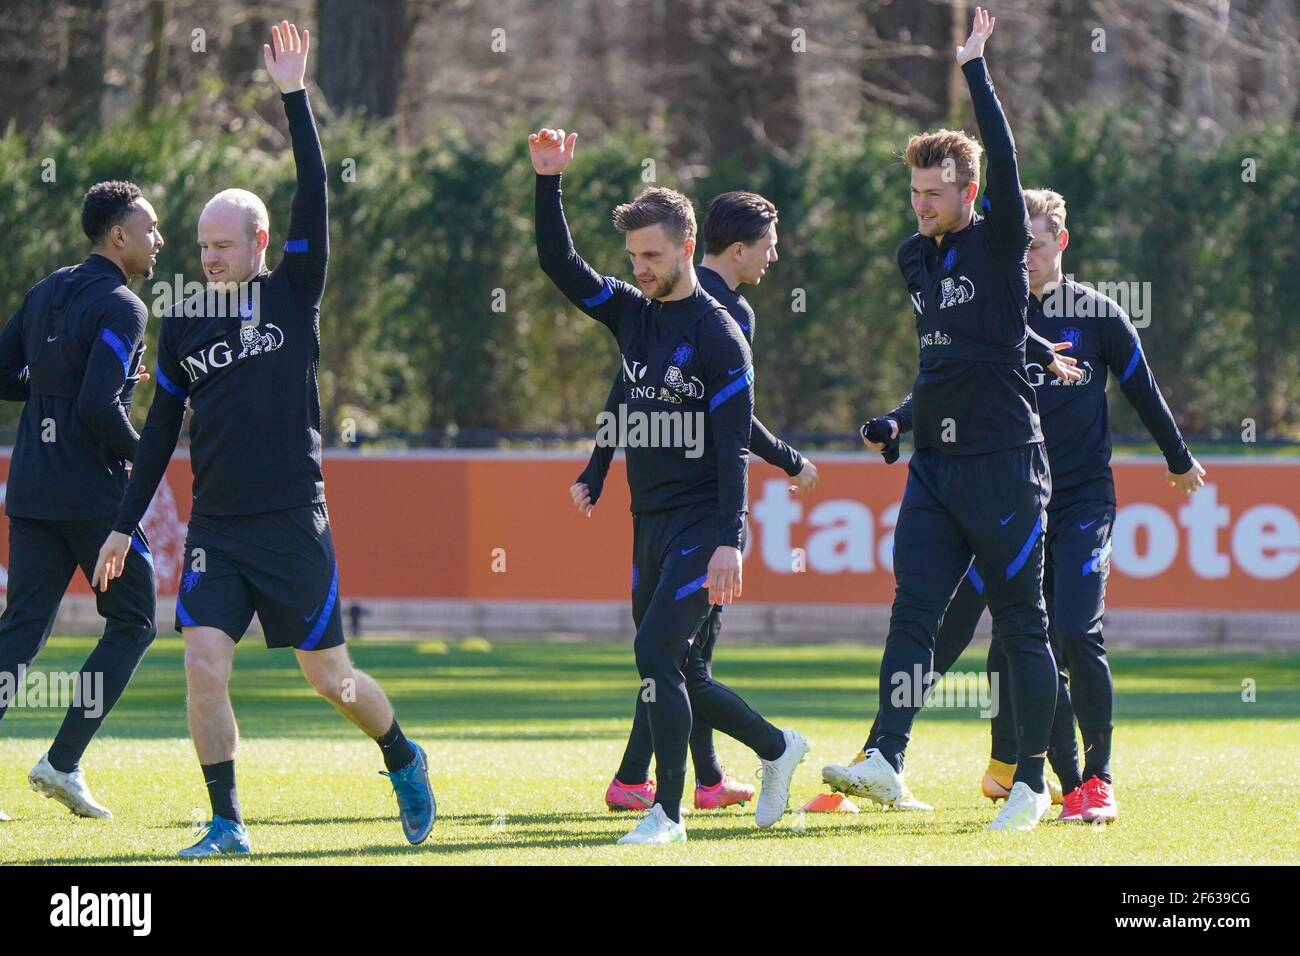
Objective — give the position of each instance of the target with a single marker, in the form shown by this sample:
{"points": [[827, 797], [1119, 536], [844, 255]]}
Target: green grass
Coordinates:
{"points": [[524, 737]]}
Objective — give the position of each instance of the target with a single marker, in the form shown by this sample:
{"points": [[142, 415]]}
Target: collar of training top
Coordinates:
{"points": [[103, 264], [680, 314]]}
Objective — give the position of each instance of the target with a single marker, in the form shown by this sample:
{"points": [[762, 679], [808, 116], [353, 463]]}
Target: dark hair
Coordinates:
{"points": [[736, 217], [658, 205], [105, 206]]}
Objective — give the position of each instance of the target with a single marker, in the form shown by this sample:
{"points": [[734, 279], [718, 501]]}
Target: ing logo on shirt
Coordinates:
{"points": [[220, 354], [633, 372], [1039, 376]]}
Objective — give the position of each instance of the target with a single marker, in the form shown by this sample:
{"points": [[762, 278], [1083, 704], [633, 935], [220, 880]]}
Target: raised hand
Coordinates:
{"points": [[550, 151], [979, 34], [286, 56]]}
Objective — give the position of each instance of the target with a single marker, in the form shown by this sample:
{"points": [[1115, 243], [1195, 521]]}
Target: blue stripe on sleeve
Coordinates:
{"points": [[1132, 365], [168, 385], [295, 245], [117, 345], [976, 581], [740, 383], [605, 292]]}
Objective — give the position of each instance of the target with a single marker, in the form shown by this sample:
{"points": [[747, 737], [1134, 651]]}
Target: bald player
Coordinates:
{"points": [[243, 354]]}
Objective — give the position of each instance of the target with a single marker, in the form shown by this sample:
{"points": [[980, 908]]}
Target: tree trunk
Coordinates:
{"points": [[362, 57], [82, 72]]}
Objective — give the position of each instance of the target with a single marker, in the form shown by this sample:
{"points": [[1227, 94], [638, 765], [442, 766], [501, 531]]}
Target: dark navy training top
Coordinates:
{"points": [[247, 367], [972, 395], [761, 441], [1075, 414], [682, 357], [73, 347]]}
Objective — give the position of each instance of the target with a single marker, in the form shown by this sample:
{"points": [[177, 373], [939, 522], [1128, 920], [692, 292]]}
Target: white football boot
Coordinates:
{"points": [[909, 802], [655, 829], [873, 777], [1023, 809], [776, 776], [68, 788]]}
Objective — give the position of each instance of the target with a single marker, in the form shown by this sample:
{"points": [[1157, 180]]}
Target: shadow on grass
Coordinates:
{"points": [[529, 692]]}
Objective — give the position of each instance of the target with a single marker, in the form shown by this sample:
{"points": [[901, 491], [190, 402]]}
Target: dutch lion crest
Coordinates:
{"points": [[954, 292], [254, 342], [674, 379]]}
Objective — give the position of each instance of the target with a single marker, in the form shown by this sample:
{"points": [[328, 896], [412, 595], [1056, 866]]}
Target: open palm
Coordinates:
{"points": [[286, 56], [979, 34]]}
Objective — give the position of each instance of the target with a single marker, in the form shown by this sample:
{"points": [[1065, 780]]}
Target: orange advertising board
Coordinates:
{"points": [[500, 526]]}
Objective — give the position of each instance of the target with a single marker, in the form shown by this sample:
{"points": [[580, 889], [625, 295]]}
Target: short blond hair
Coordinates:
{"points": [[253, 208], [1048, 204], [927, 150]]}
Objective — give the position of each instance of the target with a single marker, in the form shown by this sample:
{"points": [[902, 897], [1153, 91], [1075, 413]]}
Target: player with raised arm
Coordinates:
{"points": [[740, 240], [682, 355], [243, 355], [1080, 516], [68, 353], [978, 483]]}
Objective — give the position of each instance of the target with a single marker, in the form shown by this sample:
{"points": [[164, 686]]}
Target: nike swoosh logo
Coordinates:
{"points": [[1085, 527], [733, 371], [689, 550], [1003, 521], [313, 613], [51, 338]]}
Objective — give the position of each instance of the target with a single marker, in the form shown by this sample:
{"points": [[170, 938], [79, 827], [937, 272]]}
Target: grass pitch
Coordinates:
{"points": [[523, 738]]}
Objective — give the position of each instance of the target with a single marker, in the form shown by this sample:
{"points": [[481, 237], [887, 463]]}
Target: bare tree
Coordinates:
{"points": [[361, 63]]}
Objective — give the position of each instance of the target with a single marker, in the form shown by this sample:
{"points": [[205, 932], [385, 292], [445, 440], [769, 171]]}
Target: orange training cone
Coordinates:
{"points": [[830, 803]]}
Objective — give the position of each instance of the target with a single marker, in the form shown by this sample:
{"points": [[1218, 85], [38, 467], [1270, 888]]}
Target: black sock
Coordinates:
{"points": [[220, 778], [398, 752], [1096, 755], [1030, 770], [62, 757]]}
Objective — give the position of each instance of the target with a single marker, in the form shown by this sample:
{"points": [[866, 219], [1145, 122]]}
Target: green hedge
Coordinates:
{"points": [[425, 235]]}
